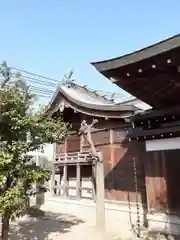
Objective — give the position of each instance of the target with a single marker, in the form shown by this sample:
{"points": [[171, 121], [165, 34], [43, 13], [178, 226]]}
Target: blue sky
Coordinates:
{"points": [[52, 37]]}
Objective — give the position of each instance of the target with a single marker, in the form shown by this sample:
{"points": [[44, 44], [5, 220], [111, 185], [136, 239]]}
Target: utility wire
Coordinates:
{"points": [[57, 81], [44, 81], [36, 75], [38, 81]]}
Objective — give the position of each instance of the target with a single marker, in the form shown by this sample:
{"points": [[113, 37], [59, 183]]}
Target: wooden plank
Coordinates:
{"points": [[86, 188], [65, 155], [73, 158], [72, 187], [72, 163]]}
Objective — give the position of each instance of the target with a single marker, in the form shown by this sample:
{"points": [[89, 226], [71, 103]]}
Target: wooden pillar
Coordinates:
{"points": [[163, 181], [65, 180], [100, 194], [78, 181], [66, 145], [149, 180], [111, 136]]}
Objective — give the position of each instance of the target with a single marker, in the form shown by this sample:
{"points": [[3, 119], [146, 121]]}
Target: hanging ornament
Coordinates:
{"points": [[61, 107]]}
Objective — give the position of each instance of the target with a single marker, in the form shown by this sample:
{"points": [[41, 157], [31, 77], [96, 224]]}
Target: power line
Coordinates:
{"points": [[38, 86], [41, 90], [53, 83], [57, 81], [36, 75], [38, 81]]}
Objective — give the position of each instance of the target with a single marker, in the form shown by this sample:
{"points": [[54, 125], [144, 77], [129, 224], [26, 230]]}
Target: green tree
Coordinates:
{"points": [[21, 130]]}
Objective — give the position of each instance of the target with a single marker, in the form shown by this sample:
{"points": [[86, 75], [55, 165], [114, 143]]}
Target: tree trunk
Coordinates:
{"points": [[27, 205], [5, 227]]}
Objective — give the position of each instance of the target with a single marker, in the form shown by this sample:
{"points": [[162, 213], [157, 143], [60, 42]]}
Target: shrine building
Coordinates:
{"points": [[74, 171], [152, 75]]}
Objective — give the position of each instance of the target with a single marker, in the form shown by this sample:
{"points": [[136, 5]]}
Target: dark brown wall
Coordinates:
{"points": [[172, 160], [120, 175], [162, 180], [156, 187], [118, 155], [60, 148], [72, 144]]}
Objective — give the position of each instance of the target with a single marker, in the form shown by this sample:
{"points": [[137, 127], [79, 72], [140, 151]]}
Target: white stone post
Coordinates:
{"points": [[100, 194]]}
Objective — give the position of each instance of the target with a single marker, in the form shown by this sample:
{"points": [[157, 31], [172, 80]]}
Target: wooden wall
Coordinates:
{"points": [[156, 181], [162, 180], [118, 155], [72, 144], [119, 168]]}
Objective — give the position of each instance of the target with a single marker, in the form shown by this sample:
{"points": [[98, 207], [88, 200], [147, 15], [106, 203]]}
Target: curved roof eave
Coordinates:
{"points": [[104, 107], [139, 55], [90, 106]]}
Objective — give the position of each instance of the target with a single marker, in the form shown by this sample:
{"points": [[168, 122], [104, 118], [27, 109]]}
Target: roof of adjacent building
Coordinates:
{"points": [[151, 74], [139, 55]]}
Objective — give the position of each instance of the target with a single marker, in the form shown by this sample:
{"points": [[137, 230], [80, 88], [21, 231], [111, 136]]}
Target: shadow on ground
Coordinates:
{"points": [[48, 226]]}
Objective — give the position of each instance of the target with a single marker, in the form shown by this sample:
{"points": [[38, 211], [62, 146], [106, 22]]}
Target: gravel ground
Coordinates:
{"points": [[56, 226]]}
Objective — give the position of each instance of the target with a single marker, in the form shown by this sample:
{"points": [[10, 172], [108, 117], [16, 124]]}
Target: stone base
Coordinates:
{"points": [[161, 222]]}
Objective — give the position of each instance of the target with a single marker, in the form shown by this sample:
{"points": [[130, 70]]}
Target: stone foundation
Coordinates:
{"points": [[161, 222]]}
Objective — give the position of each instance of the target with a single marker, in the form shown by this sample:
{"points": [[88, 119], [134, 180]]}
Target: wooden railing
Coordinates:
{"points": [[73, 158], [66, 160]]}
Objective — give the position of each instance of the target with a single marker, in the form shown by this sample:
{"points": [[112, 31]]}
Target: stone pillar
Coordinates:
{"points": [[100, 194], [39, 195], [78, 181], [94, 182], [53, 170], [65, 187], [53, 179]]}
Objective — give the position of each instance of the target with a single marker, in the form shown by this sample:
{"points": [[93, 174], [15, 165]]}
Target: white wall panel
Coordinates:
{"points": [[163, 144]]}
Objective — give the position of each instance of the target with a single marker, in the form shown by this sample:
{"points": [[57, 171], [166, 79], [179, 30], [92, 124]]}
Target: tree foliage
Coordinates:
{"points": [[21, 130]]}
